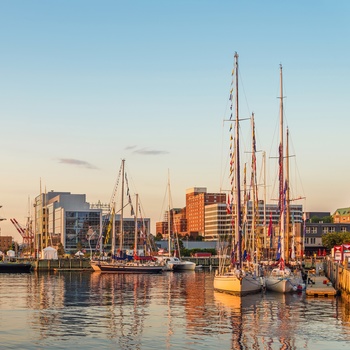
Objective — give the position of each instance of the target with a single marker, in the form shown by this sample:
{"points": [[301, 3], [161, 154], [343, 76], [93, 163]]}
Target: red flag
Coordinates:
{"points": [[269, 232], [281, 263], [228, 205]]}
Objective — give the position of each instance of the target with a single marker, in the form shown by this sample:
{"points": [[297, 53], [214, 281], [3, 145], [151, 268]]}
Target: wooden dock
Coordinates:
{"points": [[320, 286]]}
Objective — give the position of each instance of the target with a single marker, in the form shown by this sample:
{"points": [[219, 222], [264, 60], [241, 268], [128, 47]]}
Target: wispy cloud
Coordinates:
{"points": [[80, 163], [145, 151]]}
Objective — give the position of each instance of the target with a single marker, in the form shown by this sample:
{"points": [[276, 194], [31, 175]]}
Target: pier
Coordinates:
{"points": [[79, 264], [319, 286], [339, 275], [62, 265]]}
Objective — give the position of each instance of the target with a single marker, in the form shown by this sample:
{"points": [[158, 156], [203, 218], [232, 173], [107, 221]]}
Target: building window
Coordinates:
{"points": [[312, 240], [313, 229]]}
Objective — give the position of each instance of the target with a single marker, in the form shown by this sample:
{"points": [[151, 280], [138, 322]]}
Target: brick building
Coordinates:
{"points": [[196, 200]]}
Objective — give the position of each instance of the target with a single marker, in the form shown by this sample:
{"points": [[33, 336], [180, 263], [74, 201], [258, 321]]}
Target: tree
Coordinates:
{"points": [[159, 237], [331, 239], [324, 219], [60, 249], [79, 246]]}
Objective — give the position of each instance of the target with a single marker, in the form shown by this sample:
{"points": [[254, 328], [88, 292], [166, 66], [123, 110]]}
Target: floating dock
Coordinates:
{"points": [[319, 286]]}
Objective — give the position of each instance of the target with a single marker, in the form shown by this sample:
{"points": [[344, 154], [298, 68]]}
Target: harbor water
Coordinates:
{"points": [[90, 310]]}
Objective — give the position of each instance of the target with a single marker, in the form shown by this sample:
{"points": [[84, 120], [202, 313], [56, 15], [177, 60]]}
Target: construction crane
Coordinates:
{"points": [[25, 231]]}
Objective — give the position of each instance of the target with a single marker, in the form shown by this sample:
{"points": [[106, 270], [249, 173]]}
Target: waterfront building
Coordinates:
{"points": [[143, 230], [315, 230], [5, 243], [341, 215], [63, 218], [162, 228], [178, 223], [217, 222], [66, 219], [197, 199]]}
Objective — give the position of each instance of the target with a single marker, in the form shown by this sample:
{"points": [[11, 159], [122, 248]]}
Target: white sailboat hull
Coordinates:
{"points": [[172, 263], [279, 285], [182, 266], [282, 281], [233, 284]]}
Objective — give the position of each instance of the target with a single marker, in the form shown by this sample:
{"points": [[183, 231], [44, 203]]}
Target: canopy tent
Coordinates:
{"points": [[79, 253], [49, 253], [11, 253]]}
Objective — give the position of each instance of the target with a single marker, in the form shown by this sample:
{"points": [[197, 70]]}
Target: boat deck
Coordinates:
{"points": [[321, 286]]}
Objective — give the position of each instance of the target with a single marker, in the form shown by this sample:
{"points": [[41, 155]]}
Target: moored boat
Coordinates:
{"points": [[15, 267], [177, 264], [127, 267], [282, 279], [237, 280], [121, 262]]}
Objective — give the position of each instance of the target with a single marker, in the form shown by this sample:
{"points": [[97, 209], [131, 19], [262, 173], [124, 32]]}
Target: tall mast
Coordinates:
{"points": [[169, 222], [287, 198], [265, 236], [238, 224], [254, 190], [281, 172], [113, 229], [136, 216], [122, 208]]}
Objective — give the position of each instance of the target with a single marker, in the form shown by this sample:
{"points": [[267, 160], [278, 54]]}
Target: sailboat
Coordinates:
{"points": [[281, 279], [177, 264], [236, 280], [174, 263], [116, 264]]}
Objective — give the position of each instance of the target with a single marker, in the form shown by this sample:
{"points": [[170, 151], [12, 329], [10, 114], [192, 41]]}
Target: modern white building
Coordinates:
{"points": [[217, 222], [62, 217], [67, 219]]}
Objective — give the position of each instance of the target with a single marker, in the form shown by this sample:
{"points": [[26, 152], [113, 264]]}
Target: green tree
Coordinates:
{"points": [[60, 250], [159, 237], [79, 246], [331, 239], [324, 219]]}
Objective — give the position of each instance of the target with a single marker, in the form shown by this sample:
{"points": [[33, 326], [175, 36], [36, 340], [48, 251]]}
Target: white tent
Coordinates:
{"points": [[49, 253], [11, 253], [79, 253]]}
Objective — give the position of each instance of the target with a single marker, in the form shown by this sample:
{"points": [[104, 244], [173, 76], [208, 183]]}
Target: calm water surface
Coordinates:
{"points": [[69, 310]]}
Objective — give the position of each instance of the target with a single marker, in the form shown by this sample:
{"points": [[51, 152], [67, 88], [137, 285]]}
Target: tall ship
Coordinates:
{"points": [[120, 262], [237, 279], [282, 279]]}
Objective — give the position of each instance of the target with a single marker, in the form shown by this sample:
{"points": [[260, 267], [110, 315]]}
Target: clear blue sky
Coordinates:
{"points": [[84, 84]]}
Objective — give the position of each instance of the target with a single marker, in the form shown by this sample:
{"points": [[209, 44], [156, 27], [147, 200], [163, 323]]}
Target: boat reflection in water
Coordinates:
{"points": [[164, 311], [260, 319]]}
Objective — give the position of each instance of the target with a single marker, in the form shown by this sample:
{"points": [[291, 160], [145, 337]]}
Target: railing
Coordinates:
{"points": [[209, 262], [62, 264], [339, 274]]}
